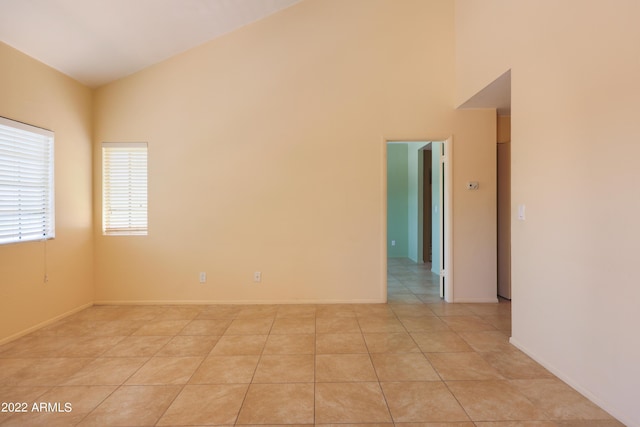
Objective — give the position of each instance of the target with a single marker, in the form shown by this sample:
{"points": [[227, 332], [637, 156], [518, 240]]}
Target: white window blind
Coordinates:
{"points": [[26, 183], [124, 188]]}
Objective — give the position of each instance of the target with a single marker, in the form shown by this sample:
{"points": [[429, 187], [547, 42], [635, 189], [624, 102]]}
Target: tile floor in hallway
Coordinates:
{"points": [[415, 361]]}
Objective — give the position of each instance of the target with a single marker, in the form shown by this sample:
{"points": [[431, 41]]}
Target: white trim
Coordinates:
{"points": [[238, 302], [447, 206], [384, 255], [45, 323], [26, 127], [477, 300], [125, 144]]}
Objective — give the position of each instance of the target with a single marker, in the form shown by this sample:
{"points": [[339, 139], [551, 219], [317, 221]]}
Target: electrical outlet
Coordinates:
{"points": [[257, 276], [203, 277], [393, 243]]}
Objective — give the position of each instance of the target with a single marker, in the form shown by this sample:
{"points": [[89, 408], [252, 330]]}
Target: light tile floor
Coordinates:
{"points": [[413, 362]]}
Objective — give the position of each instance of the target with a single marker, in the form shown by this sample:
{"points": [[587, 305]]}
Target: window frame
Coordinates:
{"points": [[131, 220], [27, 167]]}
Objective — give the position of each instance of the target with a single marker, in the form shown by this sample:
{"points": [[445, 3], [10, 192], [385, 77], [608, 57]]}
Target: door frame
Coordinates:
{"points": [[446, 221], [446, 234]]}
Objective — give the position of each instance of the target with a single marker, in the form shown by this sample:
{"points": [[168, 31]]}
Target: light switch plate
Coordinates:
{"points": [[521, 212]]}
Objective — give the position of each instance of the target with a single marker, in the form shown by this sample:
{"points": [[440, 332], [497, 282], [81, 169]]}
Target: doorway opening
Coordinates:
{"points": [[419, 210], [503, 166]]}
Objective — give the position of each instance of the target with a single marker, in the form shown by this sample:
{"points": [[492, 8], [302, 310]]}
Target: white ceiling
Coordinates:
{"points": [[98, 41]]}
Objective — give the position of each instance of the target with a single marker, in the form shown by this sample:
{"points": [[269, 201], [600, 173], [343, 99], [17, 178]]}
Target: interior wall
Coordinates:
{"points": [[269, 138], [397, 201], [36, 94], [426, 204], [474, 211], [405, 199], [503, 129], [574, 138], [278, 98], [415, 199]]}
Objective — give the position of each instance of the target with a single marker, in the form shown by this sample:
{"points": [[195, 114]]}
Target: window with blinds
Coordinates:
{"points": [[26, 183], [124, 188]]}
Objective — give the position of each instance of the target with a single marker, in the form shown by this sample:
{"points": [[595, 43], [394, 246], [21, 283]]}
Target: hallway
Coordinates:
{"points": [[409, 282]]}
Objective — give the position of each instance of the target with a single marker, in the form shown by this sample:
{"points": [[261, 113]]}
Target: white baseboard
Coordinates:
{"points": [[241, 302], [607, 406], [476, 300], [45, 323]]}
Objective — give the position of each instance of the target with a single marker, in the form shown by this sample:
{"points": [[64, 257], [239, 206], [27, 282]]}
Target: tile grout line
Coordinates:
{"points": [[246, 393], [384, 396]]}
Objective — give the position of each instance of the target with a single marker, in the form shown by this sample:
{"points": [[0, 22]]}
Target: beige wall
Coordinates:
{"points": [[474, 211], [267, 153], [503, 129], [575, 132], [38, 95]]}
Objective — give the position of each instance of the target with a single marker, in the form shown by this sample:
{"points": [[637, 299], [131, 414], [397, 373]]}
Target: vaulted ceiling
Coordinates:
{"points": [[99, 41]]}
